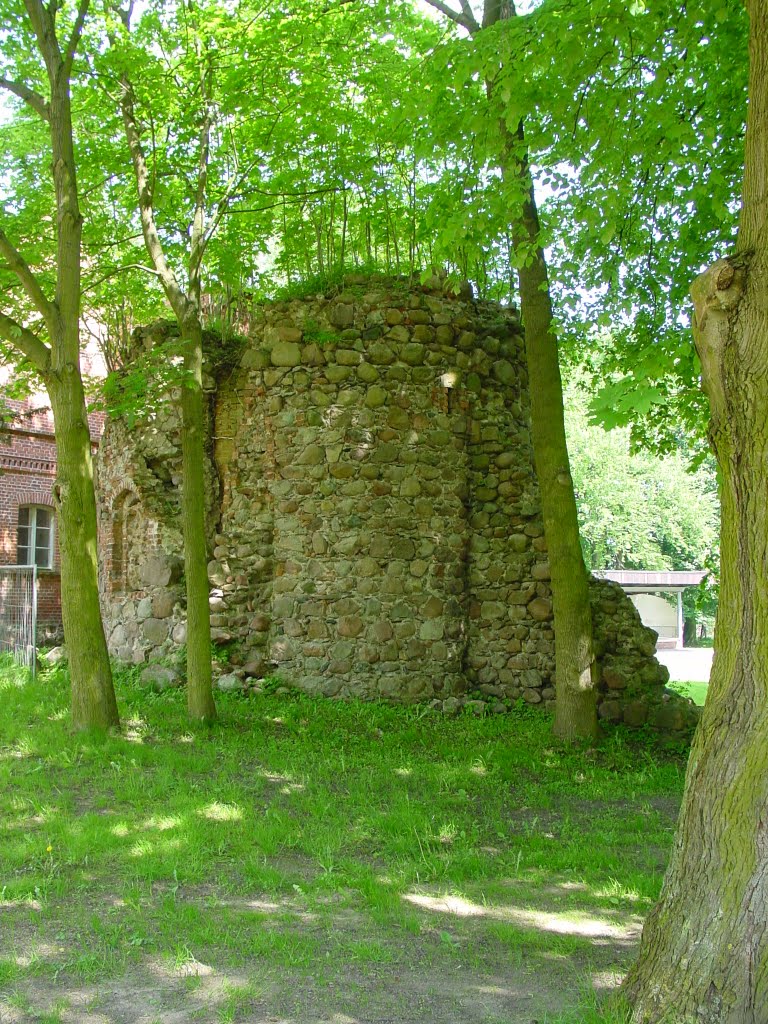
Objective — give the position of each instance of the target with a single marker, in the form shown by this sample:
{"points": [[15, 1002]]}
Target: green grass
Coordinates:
{"points": [[305, 835], [696, 691]]}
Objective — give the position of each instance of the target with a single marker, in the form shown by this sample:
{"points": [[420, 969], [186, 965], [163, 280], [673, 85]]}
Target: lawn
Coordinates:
{"points": [[309, 861], [696, 691]]}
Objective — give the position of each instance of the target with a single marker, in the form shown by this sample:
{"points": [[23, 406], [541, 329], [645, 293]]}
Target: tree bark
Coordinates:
{"points": [[93, 697], [186, 307], [704, 953], [575, 673], [575, 667], [200, 703], [575, 670]]}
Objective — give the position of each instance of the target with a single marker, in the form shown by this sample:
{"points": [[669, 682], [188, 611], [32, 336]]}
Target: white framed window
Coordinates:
{"points": [[34, 539]]}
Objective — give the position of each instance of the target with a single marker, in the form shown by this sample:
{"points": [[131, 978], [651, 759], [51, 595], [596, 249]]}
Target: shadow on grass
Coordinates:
{"points": [[352, 860]]}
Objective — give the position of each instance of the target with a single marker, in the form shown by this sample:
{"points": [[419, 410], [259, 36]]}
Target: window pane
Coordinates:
{"points": [[34, 538], [22, 539], [43, 552], [42, 536]]}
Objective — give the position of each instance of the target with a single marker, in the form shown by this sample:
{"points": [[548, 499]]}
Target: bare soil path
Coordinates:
{"points": [[459, 959]]}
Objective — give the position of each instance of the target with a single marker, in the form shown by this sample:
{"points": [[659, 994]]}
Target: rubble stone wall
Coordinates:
{"points": [[374, 515]]}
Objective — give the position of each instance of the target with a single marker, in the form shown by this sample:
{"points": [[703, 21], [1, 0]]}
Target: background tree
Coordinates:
{"points": [[185, 301], [644, 110], [575, 680], [636, 510], [46, 331]]}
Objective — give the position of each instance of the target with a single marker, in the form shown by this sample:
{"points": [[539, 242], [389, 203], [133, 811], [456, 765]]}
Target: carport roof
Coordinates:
{"points": [[643, 582]]}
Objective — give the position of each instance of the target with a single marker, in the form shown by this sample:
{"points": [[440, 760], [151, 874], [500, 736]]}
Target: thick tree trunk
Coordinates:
{"points": [[93, 697], [704, 954], [200, 702]]}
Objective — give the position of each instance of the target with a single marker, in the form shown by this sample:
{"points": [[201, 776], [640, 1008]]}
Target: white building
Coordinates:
{"points": [[658, 597]]}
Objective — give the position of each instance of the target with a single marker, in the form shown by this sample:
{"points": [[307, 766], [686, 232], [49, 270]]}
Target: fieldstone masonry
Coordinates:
{"points": [[374, 516]]}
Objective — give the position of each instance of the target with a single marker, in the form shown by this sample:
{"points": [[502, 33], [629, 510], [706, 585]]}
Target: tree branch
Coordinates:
{"points": [[92, 285], [495, 11], [74, 39], [171, 286], [26, 342], [235, 210], [469, 15], [30, 97], [29, 282], [199, 237], [223, 203], [459, 17], [43, 21]]}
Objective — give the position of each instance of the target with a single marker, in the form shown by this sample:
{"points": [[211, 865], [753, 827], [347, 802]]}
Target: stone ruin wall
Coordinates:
{"points": [[374, 517]]}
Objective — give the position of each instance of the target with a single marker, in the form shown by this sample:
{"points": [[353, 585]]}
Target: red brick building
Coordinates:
{"points": [[28, 529]]}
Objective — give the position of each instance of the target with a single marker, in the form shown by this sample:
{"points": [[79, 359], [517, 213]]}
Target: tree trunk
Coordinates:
{"points": [[704, 953], [575, 667], [200, 702], [575, 676], [575, 703], [575, 671], [93, 697]]}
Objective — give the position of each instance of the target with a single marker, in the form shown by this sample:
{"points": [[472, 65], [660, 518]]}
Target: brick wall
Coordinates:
{"points": [[27, 474]]}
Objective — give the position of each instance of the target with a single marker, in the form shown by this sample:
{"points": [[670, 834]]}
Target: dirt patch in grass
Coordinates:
{"points": [[452, 958], [408, 996], [450, 870]]}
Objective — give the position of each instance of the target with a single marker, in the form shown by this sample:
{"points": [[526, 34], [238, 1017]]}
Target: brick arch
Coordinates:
{"points": [[34, 497], [126, 503], [121, 486]]}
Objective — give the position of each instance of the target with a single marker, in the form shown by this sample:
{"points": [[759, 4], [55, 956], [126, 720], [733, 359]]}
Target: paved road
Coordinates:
{"points": [[690, 665]]}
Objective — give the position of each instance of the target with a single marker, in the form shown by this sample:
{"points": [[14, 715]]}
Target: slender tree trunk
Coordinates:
{"points": [[704, 953], [186, 307], [575, 667], [412, 225], [93, 697], [330, 235], [344, 223], [395, 243], [319, 247], [575, 676], [200, 702]]}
